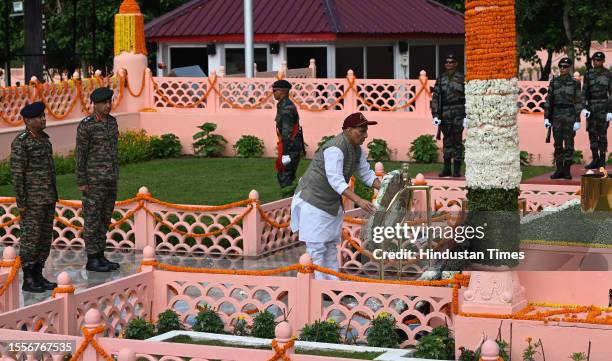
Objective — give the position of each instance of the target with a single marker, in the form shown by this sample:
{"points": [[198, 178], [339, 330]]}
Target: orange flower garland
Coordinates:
{"points": [[490, 39]]}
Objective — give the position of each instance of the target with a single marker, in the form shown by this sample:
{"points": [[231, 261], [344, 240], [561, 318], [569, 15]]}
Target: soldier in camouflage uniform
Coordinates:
{"points": [[97, 171], [33, 176], [448, 111], [597, 98], [563, 103], [290, 138]]}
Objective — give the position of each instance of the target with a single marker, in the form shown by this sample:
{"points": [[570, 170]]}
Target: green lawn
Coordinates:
{"points": [[212, 180]]}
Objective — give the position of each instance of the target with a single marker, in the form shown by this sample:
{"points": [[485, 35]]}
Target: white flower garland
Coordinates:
{"points": [[492, 148]]}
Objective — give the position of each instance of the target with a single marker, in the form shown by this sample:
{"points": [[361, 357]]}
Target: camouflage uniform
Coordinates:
{"points": [[449, 94], [290, 138], [597, 98], [564, 93], [33, 176], [97, 166]]}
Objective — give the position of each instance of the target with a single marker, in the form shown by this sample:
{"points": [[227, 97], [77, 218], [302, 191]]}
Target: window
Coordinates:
{"points": [[422, 57], [187, 56], [234, 60], [380, 62], [456, 50], [299, 57], [349, 59]]}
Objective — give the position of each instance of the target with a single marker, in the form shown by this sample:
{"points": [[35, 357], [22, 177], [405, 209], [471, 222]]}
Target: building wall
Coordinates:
{"points": [[401, 69]]}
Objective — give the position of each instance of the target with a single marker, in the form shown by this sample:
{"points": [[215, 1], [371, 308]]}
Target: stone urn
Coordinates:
{"points": [[596, 193]]}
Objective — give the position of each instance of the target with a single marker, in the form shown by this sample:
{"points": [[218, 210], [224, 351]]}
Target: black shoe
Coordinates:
{"points": [[38, 268], [559, 173], [594, 163], [457, 168], [30, 283], [602, 159], [567, 170], [446, 171], [112, 265], [96, 264]]}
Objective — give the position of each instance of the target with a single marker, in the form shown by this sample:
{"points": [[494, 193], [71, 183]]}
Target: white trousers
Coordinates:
{"points": [[324, 254]]}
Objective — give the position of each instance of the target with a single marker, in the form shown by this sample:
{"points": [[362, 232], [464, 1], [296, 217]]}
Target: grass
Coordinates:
{"points": [[192, 180], [364, 355]]}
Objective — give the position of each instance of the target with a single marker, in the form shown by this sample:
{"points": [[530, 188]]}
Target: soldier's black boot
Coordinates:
{"points": [[602, 159], [595, 162], [96, 264], [30, 284], [38, 268], [567, 170], [112, 265], [558, 174], [446, 171], [457, 168]]}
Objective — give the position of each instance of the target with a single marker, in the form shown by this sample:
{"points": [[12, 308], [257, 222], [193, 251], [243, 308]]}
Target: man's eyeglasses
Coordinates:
{"points": [[449, 62], [563, 66]]}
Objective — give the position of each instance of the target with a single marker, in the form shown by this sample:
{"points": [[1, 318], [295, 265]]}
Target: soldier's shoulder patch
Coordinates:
{"points": [[88, 119], [23, 135]]}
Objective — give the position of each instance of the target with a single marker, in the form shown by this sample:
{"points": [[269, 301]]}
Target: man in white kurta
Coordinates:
{"points": [[316, 209]]}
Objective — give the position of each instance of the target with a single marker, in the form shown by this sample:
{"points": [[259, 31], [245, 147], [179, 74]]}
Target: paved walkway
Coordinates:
{"points": [[73, 262]]}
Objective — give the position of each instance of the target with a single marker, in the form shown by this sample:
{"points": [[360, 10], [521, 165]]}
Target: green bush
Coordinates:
{"points": [[134, 146], [168, 321], [324, 140], [321, 331], [249, 146], [64, 164], [468, 355], [437, 345], [139, 329], [382, 332], [166, 146], [424, 149], [378, 150], [208, 320], [263, 325], [362, 190], [208, 144], [240, 326], [5, 172], [526, 157]]}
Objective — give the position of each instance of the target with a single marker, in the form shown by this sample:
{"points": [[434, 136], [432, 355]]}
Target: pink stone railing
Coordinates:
{"points": [[236, 231], [70, 99], [9, 299]]}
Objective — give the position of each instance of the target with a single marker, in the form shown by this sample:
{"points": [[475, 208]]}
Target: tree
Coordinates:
{"points": [[458, 5], [591, 22]]}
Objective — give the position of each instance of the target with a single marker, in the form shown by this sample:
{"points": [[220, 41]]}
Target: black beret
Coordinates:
{"points": [[33, 110], [101, 95], [281, 84], [565, 61], [451, 56], [599, 56]]}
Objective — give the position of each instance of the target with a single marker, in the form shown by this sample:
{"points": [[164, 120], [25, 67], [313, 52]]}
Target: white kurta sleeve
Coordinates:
{"points": [[334, 159], [364, 172]]}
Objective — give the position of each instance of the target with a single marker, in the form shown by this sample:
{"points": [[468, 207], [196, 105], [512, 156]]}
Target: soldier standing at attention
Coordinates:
{"points": [[448, 111], [597, 98], [33, 176], [563, 103], [97, 171], [290, 137]]}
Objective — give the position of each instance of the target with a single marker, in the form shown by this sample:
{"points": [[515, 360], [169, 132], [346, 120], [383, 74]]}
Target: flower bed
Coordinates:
{"points": [[302, 347]]}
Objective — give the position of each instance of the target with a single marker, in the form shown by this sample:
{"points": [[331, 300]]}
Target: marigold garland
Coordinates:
{"points": [[280, 352], [15, 265], [89, 340], [67, 289]]}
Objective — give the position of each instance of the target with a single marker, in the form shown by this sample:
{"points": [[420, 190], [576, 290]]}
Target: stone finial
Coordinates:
{"points": [[33, 79], [76, 75], [143, 190], [222, 70], [148, 253], [253, 194], [282, 331], [489, 351], [125, 354], [420, 180], [93, 318], [63, 279], [9, 254], [305, 259], [423, 74], [98, 73], [379, 168]]}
